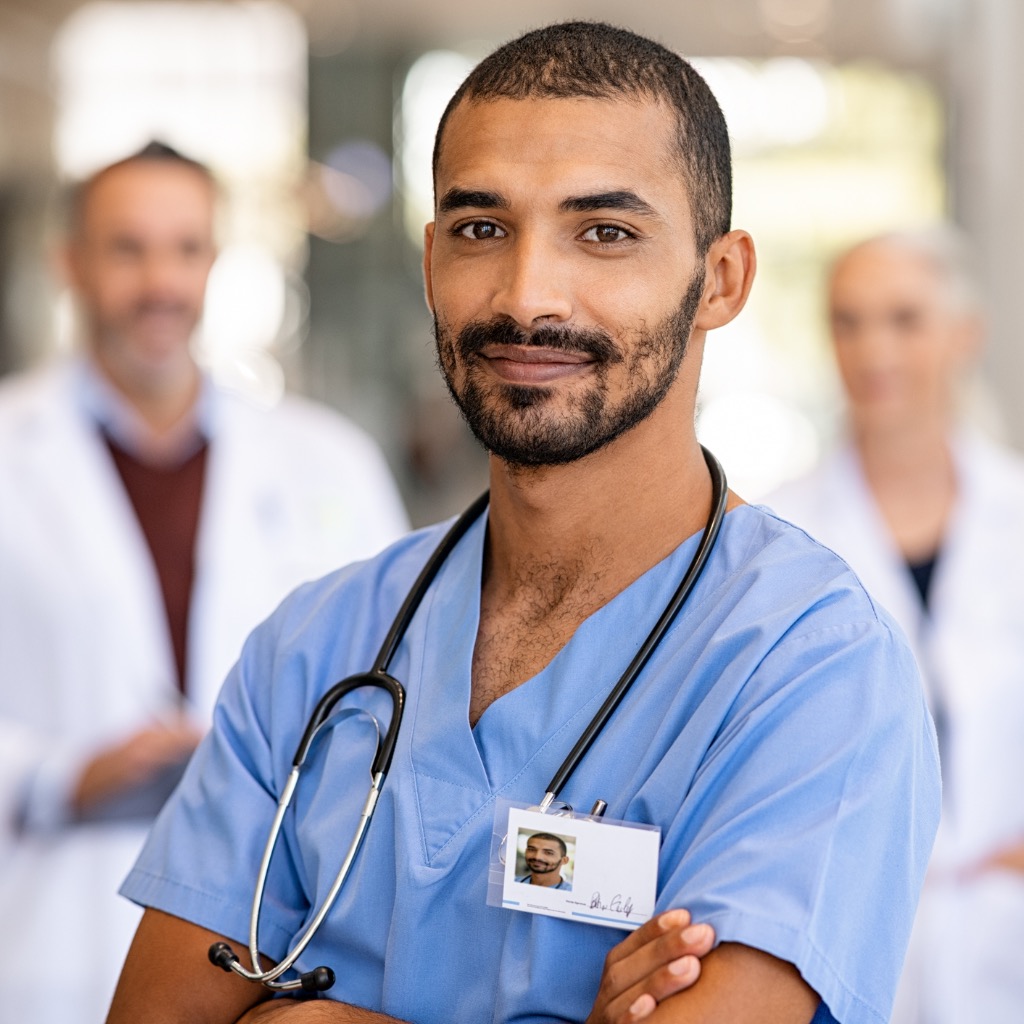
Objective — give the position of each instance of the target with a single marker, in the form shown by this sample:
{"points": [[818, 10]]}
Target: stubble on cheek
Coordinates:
{"points": [[542, 426]]}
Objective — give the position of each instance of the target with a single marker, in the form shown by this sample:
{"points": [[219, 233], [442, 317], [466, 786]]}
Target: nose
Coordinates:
{"points": [[164, 274], [865, 342], [533, 285], [876, 344]]}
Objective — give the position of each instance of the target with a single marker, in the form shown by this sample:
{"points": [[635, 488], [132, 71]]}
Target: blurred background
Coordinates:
{"points": [[318, 117]]}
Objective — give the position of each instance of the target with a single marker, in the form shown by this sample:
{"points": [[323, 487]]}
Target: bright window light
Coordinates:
{"points": [[429, 85]]}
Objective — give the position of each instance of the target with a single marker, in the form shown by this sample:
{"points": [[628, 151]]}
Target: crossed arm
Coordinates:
{"points": [[649, 976]]}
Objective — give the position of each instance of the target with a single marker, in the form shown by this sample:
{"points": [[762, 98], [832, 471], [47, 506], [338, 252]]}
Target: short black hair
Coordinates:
{"points": [[553, 838], [593, 59], [154, 152]]}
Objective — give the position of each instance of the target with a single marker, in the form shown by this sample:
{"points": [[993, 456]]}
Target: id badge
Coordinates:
{"points": [[574, 866]]}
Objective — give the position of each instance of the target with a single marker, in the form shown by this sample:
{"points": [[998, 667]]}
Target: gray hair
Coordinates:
{"points": [[946, 249]]}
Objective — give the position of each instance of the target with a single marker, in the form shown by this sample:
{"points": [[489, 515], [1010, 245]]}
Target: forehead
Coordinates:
{"points": [[557, 146], [882, 272], [145, 194], [542, 843]]}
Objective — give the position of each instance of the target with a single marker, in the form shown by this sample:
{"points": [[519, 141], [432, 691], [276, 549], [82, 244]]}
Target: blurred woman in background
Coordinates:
{"points": [[932, 519]]}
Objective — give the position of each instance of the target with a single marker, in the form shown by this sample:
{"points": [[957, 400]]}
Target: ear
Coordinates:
{"points": [[428, 249], [729, 272]]}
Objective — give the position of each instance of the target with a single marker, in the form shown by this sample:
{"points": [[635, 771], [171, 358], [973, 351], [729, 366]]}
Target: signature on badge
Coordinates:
{"points": [[618, 904]]}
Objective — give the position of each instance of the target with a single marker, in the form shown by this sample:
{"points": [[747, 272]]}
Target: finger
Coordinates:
{"points": [[648, 932], [141, 758], [163, 744], [641, 1000], [660, 967], [698, 939], [641, 1008], [669, 946]]}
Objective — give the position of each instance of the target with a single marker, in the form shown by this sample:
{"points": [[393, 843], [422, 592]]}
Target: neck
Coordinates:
{"points": [[913, 479], [563, 541], [162, 400], [608, 517], [548, 878], [918, 451]]}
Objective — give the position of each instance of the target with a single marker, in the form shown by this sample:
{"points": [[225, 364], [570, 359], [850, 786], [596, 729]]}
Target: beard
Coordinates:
{"points": [[541, 867], [513, 422]]}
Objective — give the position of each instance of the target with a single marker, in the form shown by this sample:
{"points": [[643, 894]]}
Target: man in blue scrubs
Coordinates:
{"points": [[777, 737]]}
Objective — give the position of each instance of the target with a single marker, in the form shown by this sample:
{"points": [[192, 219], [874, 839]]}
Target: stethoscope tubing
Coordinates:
{"points": [[419, 589], [719, 500], [378, 676]]}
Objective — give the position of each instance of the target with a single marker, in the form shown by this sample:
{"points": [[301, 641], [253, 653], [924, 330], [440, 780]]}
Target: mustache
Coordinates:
{"points": [[144, 306], [477, 335]]}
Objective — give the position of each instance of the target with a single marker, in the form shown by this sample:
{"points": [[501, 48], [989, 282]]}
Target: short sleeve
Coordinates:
{"points": [[822, 785]]}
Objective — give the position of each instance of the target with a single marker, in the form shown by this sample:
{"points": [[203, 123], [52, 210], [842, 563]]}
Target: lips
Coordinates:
{"points": [[503, 339], [531, 354], [526, 364]]}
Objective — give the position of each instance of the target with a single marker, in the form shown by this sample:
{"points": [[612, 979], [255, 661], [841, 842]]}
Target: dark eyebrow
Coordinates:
{"points": [[467, 198], [622, 199]]}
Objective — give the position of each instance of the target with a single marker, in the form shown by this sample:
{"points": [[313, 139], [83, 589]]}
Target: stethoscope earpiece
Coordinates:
{"points": [[222, 955], [320, 979]]}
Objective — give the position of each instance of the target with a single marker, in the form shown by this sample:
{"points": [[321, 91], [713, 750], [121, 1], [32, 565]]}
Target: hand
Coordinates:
{"points": [[1010, 859], [133, 762], [654, 962]]}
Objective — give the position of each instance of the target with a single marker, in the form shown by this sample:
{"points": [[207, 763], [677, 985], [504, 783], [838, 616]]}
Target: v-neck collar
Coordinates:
{"points": [[522, 737]]}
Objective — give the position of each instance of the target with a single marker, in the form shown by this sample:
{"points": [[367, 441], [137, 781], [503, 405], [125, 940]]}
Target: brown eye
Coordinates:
{"points": [[606, 234], [481, 230]]}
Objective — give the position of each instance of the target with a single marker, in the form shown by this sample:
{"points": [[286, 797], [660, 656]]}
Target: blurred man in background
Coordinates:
{"points": [[147, 522], [932, 519]]}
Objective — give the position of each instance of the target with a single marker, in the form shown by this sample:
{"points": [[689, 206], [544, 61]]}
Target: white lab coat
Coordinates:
{"points": [[85, 655], [966, 958]]}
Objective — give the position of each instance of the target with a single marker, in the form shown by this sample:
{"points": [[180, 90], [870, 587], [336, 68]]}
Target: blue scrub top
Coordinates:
{"points": [[778, 737], [563, 884]]}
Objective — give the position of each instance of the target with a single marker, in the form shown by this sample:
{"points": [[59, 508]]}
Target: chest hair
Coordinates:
{"points": [[520, 633]]}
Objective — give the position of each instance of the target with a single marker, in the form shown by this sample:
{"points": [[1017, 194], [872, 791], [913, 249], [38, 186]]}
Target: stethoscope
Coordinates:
{"points": [[322, 978]]}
